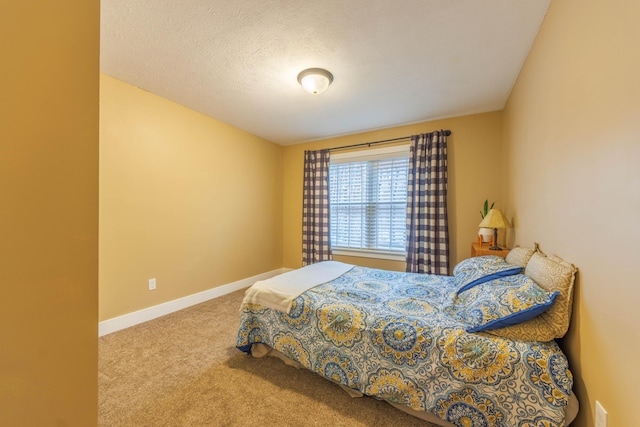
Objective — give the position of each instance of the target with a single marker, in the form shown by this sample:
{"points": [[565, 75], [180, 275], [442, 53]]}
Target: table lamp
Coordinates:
{"points": [[494, 219]]}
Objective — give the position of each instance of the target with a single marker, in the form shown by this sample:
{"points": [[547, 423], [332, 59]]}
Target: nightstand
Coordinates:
{"points": [[483, 249]]}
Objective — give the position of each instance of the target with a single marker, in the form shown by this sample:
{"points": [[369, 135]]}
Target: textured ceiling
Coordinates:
{"points": [[393, 63]]}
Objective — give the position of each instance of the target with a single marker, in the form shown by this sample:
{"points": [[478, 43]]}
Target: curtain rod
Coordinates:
{"points": [[384, 141]]}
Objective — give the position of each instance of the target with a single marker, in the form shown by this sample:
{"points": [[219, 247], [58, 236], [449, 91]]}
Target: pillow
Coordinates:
{"points": [[553, 275], [502, 302], [474, 271], [520, 256]]}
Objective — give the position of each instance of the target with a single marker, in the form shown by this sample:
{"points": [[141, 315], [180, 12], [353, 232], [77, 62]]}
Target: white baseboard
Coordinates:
{"points": [[127, 320]]}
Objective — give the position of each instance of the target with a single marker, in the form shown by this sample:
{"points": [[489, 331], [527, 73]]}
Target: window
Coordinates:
{"points": [[368, 202]]}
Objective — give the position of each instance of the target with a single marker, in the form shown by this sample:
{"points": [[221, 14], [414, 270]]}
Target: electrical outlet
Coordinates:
{"points": [[601, 415], [152, 284]]}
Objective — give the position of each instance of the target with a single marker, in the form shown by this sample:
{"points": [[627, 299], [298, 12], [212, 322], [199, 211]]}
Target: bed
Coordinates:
{"points": [[473, 349]]}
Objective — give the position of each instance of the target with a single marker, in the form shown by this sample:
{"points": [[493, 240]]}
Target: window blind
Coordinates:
{"points": [[368, 202]]}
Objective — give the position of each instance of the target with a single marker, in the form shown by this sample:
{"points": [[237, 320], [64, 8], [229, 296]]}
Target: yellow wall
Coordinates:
{"points": [[49, 213], [571, 130], [185, 199], [475, 174]]}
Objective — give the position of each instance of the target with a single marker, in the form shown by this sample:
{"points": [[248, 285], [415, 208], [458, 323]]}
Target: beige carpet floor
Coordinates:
{"points": [[183, 370]]}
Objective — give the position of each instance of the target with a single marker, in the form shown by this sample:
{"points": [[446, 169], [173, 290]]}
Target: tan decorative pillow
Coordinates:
{"points": [[520, 256], [552, 274]]}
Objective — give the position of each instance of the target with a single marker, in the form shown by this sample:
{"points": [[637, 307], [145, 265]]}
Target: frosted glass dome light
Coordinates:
{"points": [[315, 80]]}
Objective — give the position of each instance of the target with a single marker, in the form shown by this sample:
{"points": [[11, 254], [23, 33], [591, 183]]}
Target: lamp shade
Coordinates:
{"points": [[494, 219], [315, 80]]}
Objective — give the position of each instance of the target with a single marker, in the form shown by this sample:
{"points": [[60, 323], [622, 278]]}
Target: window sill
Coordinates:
{"points": [[364, 253]]}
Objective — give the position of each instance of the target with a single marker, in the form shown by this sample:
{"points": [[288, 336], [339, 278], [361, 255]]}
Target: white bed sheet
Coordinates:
{"points": [[278, 293]]}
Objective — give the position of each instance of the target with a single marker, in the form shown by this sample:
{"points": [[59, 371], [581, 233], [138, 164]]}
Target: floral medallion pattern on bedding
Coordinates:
{"points": [[477, 270], [410, 306], [253, 330], [392, 386], [394, 336], [549, 372], [468, 408], [502, 302], [341, 323], [402, 341], [553, 275], [300, 314], [477, 359], [291, 347], [337, 367]]}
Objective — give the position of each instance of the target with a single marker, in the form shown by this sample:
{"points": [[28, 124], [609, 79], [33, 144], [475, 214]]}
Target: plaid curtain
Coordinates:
{"points": [[315, 208], [427, 225]]}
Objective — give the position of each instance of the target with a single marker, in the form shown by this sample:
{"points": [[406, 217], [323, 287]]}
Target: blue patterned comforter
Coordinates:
{"points": [[395, 336]]}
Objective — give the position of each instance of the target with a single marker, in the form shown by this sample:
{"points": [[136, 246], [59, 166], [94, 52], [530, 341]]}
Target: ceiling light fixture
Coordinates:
{"points": [[315, 80]]}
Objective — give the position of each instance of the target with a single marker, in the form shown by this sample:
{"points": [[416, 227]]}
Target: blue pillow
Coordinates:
{"points": [[502, 302], [474, 271]]}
